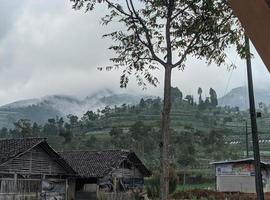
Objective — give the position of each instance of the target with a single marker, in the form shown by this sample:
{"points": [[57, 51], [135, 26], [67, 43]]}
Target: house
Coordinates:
{"points": [[30, 170], [239, 175], [108, 171]]}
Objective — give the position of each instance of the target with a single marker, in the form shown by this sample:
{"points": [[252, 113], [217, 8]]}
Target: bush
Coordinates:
{"points": [[198, 194], [153, 186]]}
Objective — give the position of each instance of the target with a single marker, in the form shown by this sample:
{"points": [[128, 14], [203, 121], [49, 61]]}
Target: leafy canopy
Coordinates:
{"points": [[164, 33]]}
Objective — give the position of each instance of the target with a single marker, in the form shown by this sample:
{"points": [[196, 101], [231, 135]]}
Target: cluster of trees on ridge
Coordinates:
{"points": [[96, 120], [189, 144]]}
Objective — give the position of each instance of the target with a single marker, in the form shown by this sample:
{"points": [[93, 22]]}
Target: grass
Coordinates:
{"points": [[195, 186]]}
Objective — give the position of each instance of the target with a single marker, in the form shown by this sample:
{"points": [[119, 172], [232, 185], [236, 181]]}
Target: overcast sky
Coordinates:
{"points": [[48, 48]]}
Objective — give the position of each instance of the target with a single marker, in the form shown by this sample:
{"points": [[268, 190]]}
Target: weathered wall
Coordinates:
{"points": [[127, 173], [71, 189], [35, 161], [236, 184]]}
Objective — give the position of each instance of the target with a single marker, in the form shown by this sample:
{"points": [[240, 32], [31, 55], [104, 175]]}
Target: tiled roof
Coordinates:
{"points": [[11, 148], [99, 163]]}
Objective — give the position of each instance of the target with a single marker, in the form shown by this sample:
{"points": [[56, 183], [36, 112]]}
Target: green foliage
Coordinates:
{"points": [[90, 116], [73, 120], [213, 97], [200, 96], [185, 149], [152, 32], [120, 139], [153, 187], [199, 194], [4, 132], [143, 139], [66, 134], [90, 143], [50, 128], [189, 99], [176, 95], [215, 146], [23, 128], [36, 129], [198, 135]]}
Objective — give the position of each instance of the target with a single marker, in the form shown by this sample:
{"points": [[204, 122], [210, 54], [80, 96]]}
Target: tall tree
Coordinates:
{"points": [[3, 132], [142, 104], [23, 128], [50, 128], [200, 95], [156, 33], [185, 151], [176, 95], [36, 129], [213, 97]]}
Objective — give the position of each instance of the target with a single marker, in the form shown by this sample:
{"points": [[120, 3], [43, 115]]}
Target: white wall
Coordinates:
{"points": [[236, 184]]}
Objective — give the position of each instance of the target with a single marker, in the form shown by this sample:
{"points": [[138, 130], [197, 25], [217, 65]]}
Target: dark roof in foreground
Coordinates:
{"points": [[245, 160], [12, 148], [99, 163]]}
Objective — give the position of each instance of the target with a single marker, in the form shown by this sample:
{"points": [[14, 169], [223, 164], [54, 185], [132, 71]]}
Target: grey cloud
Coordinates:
{"points": [[9, 11], [48, 48]]}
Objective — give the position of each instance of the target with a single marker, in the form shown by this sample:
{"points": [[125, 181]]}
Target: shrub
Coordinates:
{"points": [[152, 184]]}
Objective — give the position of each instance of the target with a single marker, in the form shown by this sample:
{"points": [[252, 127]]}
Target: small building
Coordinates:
{"points": [[239, 175], [110, 171], [30, 170]]}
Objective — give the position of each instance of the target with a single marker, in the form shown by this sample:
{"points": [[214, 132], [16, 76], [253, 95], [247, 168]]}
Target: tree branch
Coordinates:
{"points": [[183, 57], [148, 38], [118, 8], [179, 13], [168, 33]]}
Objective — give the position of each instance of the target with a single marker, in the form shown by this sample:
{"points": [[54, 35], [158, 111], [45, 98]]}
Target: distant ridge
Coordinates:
{"points": [[40, 109], [239, 97]]}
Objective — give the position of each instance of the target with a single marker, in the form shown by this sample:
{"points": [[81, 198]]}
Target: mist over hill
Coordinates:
{"points": [[40, 109], [239, 97]]}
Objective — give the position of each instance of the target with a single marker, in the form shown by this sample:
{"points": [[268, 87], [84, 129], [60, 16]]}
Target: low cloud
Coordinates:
{"points": [[48, 48]]}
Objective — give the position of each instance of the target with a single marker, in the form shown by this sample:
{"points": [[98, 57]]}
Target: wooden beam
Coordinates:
{"points": [[254, 16]]}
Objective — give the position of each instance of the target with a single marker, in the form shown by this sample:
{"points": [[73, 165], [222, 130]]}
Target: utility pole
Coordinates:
{"points": [[254, 129], [247, 147]]}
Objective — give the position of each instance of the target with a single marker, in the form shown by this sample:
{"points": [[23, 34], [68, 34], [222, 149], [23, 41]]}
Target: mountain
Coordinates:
{"points": [[40, 109], [239, 97]]}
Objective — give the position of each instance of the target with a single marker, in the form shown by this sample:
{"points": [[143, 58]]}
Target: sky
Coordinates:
{"points": [[48, 48]]}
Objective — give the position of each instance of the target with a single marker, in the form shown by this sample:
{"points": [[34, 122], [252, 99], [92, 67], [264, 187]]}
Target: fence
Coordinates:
{"points": [[20, 189]]}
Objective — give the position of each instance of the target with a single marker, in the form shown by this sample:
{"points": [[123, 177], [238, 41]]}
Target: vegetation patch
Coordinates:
{"points": [[199, 194]]}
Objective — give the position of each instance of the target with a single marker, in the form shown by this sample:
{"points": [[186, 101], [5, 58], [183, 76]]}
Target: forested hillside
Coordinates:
{"points": [[202, 131], [41, 109]]}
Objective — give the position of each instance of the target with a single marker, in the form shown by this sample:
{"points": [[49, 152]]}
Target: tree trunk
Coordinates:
{"points": [[165, 132], [184, 178]]}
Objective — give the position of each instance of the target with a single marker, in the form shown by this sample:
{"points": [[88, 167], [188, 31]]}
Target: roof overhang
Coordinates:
{"points": [[245, 160], [254, 16]]}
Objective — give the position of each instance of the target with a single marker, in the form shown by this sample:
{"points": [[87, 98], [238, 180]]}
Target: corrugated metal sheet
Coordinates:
{"points": [[254, 16]]}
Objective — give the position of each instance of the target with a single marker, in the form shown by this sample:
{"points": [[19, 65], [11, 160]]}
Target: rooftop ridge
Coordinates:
{"points": [[23, 138], [71, 151]]}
